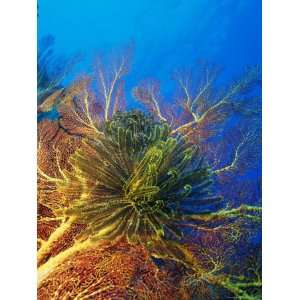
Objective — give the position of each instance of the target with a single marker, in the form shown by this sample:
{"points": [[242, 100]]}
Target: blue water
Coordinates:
{"points": [[166, 34]]}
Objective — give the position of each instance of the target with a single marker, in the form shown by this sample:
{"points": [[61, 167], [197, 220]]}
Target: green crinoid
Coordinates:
{"points": [[136, 181]]}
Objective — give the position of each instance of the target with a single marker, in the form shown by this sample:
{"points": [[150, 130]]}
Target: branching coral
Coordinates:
{"points": [[110, 82], [201, 107], [137, 181], [228, 271], [144, 179]]}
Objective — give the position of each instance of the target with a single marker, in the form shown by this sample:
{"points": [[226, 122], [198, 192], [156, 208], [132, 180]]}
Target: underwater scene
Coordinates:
{"points": [[149, 150]]}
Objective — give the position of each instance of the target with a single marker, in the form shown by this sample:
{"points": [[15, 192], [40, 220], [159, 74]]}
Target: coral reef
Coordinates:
{"points": [[110, 271], [135, 205]]}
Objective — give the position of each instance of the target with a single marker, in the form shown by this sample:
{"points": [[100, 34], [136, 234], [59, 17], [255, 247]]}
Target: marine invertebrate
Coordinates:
{"points": [[200, 107], [109, 73], [142, 179], [95, 273], [221, 271], [136, 181]]}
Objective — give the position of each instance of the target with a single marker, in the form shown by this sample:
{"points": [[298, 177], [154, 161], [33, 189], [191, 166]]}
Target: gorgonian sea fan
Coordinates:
{"points": [[136, 181]]}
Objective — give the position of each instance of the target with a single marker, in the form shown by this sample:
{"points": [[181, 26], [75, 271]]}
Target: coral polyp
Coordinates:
{"points": [[136, 181]]}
